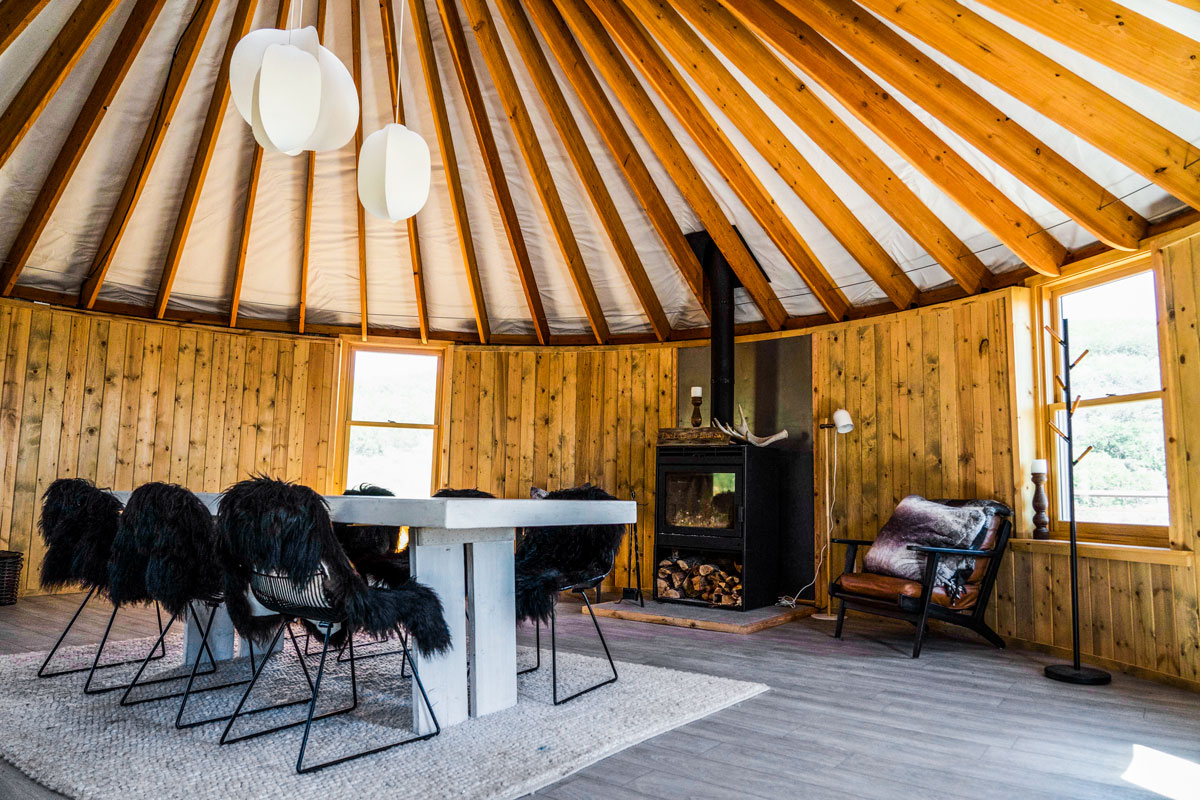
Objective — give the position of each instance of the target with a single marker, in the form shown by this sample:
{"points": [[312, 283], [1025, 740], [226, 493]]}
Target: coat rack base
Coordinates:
{"points": [[1084, 676]]}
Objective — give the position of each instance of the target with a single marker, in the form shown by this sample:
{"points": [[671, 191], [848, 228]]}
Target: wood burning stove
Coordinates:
{"points": [[718, 524]]}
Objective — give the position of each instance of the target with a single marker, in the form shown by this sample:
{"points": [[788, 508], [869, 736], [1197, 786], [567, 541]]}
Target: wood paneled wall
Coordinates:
{"points": [[125, 402], [940, 396], [554, 418]]}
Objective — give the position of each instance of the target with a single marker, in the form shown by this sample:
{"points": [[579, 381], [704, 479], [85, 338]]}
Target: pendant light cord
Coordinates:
{"points": [[400, 62]]}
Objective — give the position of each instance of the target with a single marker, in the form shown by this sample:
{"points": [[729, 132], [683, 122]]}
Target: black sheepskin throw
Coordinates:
{"points": [[271, 526], [476, 493], [78, 524], [372, 548], [933, 524], [551, 559], [165, 550]]}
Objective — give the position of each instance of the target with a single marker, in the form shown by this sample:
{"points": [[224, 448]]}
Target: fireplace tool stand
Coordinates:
{"points": [[633, 565]]}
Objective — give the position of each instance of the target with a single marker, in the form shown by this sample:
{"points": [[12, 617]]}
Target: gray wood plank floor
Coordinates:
{"points": [[854, 718]]}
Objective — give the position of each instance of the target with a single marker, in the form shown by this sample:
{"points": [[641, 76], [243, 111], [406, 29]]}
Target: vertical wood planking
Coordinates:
{"points": [[125, 402]]}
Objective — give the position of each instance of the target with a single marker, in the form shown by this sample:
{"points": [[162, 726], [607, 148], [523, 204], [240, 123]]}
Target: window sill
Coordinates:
{"points": [[1111, 552]]}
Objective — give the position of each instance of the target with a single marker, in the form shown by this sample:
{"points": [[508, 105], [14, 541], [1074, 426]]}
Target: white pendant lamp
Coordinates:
{"points": [[394, 167], [293, 92], [393, 173]]}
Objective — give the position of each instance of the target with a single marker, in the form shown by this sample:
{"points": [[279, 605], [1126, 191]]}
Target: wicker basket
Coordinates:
{"points": [[10, 576]]}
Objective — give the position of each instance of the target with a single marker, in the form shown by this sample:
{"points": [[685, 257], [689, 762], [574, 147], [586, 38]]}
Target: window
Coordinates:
{"points": [[1121, 485], [391, 432]]}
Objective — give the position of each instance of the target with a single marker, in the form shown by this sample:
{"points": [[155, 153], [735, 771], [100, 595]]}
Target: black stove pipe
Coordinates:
{"points": [[720, 293]]}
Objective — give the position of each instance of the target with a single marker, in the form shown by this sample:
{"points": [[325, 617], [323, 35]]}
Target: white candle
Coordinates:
{"points": [[697, 391], [1040, 466]]}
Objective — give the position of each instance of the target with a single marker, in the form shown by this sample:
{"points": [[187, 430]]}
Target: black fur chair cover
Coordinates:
{"points": [[372, 548], [477, 493], [165, 550], [78, 524], [273, 526], [552, 559]]}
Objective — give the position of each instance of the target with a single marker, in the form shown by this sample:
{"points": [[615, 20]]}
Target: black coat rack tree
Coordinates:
{"points": [[1074, 672]]}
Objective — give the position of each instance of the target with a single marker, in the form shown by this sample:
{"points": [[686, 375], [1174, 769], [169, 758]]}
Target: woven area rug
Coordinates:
{"points": [[91, 748]]}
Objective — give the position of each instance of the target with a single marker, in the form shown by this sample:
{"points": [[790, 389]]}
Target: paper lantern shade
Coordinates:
{"points": [[289, 96], [296, 94], [245, 63], [339, 105], [394, 173]]}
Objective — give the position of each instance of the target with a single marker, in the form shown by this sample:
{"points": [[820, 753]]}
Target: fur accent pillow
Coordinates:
{"points": [[923, 522]]}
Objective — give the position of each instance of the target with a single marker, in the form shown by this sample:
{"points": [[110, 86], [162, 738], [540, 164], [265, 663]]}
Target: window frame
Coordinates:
{"points": [[350, 351], [1050, 402]]}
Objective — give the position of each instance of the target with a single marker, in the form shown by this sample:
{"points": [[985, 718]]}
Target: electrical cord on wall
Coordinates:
{"points": [[790, 601]]}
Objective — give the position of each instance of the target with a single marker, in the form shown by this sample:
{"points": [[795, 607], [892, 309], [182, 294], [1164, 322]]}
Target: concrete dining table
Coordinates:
{"points": [[462, 548]]}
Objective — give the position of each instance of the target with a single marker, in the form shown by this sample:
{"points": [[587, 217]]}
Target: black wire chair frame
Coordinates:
{"points": [[280, 594], [343, 653], [42, 673], [581, 590]]}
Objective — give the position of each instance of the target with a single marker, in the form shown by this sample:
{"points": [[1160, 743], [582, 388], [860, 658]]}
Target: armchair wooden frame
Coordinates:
{"points": [[919, 610]]}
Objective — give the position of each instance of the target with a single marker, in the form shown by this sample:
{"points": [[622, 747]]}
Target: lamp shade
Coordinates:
{"points": [[393, 173], [842, 422], [295, 94]]}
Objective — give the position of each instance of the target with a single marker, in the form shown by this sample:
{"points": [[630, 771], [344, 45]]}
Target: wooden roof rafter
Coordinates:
{"points": [[518, 116], [876, 108], [445, 136], [15, 16], [693, 54], [721, 153], [360, 223], [143, 162], [876, 46], [1118, 37], [387, 15], [1081, 107], [481, 125], [594, 39], [309, 185], [589, 174], [133, 35], [586, 85], [56, 63], [239, 269], [243, 17]]}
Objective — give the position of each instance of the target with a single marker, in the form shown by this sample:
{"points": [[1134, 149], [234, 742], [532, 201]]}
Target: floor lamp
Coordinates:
{"points": [[842, 423]]}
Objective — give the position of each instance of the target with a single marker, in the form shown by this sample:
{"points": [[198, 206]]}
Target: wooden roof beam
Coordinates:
{"points": [[1136, 46], [239, 270], [678, 96], [359, 214], [587, 87], [445, 135], [568, 130], [1001, 139], [1025, 72], [77, 33], [243, 17], [129, 43], [518, 116], [591, 35], [306, 231], [387, 15], [876, 108], [185, 58], [827, 130], [480, 124], [15, 16]]}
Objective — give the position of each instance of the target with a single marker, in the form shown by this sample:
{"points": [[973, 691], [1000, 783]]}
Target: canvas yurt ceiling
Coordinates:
{"points": [[846, 157]]}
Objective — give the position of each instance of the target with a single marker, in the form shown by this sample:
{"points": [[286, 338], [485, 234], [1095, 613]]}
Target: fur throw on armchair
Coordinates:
{"points": [[917, 521], [271, 526], [78, 523]]}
